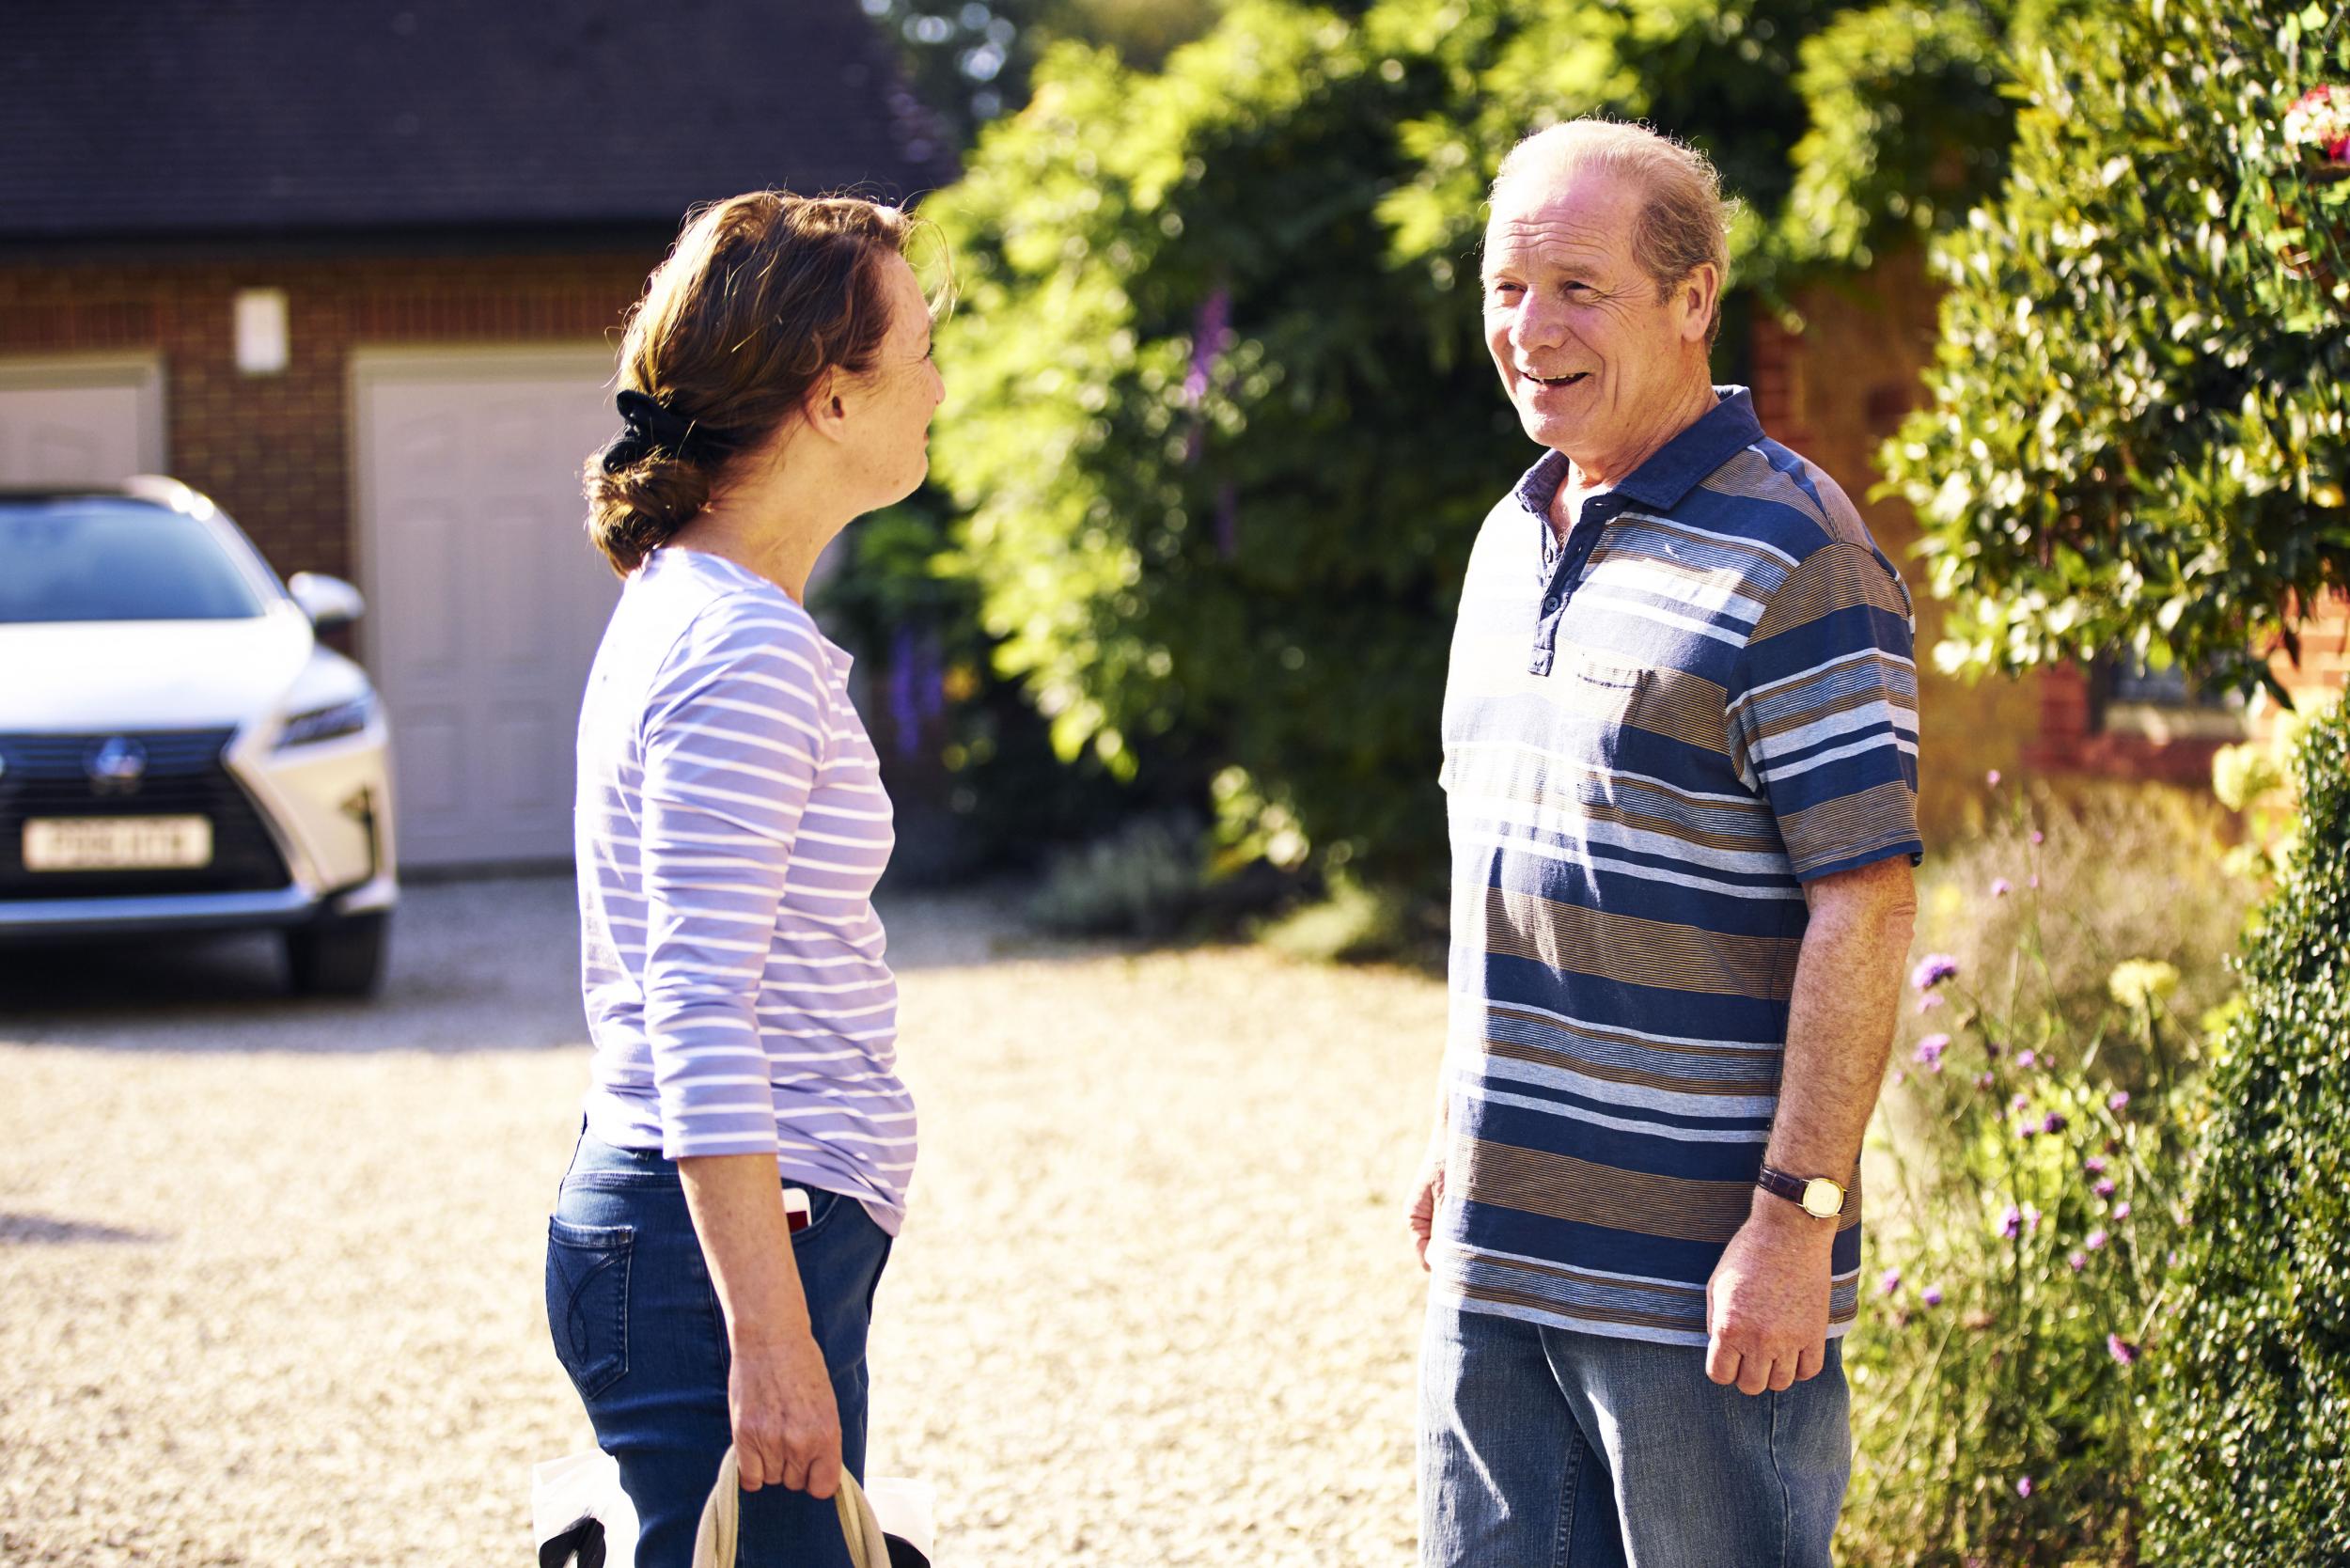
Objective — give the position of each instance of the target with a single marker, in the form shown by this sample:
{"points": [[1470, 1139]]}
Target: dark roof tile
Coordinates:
{"points": [[126, 117]]}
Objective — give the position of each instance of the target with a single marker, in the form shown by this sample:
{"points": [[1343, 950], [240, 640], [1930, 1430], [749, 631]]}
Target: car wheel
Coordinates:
{"points": [[337, 955]]}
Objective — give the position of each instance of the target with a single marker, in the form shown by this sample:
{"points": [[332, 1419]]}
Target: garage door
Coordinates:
{"points": [[484, 599], [80, 420]]}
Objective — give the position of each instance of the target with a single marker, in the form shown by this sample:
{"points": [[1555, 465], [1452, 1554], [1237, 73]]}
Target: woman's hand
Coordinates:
{"points": [[787, 1425]]}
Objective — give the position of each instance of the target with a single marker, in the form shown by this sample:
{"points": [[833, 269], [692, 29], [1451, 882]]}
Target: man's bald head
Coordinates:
{"points": [[1684, 221]]}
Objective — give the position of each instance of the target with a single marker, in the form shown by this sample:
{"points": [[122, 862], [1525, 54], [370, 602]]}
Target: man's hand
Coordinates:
{"points": [[787, 1424], [1427, 1192], [1766, 1305]]}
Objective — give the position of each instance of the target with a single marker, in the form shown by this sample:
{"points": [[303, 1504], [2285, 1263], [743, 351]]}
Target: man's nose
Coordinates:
{"points": [[1538, 325]]}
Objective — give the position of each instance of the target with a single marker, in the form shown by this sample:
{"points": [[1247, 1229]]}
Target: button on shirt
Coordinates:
{"points": [[1655, 732]]}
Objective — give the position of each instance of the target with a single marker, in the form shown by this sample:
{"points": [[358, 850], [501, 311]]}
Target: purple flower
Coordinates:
{"points": [[1931, 1295], [2020, 1102], [2120, 1212], [2119, 1099], [2103, 1187], [1928, 1002], [1933, 970], [2023, 1487], [1209, 329], [1992, 778], [2032, 1216], [2027, 1058], [2029, 1130], [2095, 1164], [1890, 1281], [1930, 1049], [1982, 1080], [2038, 837], [2078, 1259], [2054, 1122], [2001, 887], [2120, 1350], [2033, 879], [2095, 1241], [2011, 1222]]}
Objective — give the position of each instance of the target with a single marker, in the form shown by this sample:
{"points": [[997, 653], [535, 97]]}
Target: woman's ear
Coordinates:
{"points": [[824, 405]]}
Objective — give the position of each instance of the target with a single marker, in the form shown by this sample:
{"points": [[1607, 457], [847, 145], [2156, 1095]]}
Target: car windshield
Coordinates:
{"points": [[105, 557]]}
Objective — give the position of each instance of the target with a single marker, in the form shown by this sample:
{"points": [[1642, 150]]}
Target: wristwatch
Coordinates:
{"points": [[1815, 1195]]}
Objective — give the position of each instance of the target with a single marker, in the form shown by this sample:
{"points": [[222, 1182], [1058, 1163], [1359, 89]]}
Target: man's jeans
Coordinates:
{"points": [[637, 1325], [1543, 1448]]}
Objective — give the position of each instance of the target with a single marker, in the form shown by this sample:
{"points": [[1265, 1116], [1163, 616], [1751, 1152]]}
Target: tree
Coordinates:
{"points": [[969, 59], [2140, 431], [1220, 421]]}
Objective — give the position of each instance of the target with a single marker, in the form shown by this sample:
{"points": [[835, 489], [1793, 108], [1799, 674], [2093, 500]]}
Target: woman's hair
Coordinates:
{"points": [[1684, 221], [760, 295]]}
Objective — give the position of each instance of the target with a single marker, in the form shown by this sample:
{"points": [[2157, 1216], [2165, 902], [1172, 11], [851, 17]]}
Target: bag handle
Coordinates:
{"points": [[716, 1537]]}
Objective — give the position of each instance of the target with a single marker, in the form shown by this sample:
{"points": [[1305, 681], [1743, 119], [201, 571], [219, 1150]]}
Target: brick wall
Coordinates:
{"points": [[274, 450]]}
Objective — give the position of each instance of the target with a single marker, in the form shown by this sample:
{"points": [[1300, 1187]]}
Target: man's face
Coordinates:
{"points": [[1588, 353]]}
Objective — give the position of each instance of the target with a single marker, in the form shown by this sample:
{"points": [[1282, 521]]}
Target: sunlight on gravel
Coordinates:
{"points": [[271, 1269]]}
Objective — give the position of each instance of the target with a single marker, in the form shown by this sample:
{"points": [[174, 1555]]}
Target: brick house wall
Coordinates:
{"points": [[274, 450]]}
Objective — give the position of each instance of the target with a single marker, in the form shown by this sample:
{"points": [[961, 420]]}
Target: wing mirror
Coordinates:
{"points": [[329, 602]]}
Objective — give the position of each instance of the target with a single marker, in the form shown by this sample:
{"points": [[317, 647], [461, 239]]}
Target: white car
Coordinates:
{"points": [[178, 752]]}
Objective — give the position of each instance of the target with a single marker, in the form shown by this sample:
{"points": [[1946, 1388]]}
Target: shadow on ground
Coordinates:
{"points": [[490, 964]]}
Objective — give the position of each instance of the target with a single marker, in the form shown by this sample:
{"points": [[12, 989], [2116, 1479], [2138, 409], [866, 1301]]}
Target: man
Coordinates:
{"points": [[1680, 746]]}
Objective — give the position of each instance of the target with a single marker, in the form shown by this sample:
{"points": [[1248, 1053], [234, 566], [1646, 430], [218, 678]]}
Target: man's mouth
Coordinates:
{"points": [[1557, 381]]}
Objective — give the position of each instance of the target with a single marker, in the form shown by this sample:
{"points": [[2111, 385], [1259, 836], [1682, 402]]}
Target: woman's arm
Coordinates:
{"points": [[787, 1425], [732, 745]]}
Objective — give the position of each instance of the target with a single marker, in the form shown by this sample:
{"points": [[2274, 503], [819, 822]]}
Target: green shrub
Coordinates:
{"points": [[2140, 433], [2255, 1359], [1145, 880], [1220, 422]]}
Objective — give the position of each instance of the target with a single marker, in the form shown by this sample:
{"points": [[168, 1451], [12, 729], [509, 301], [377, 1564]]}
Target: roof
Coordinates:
{"points": [[157, 118]]}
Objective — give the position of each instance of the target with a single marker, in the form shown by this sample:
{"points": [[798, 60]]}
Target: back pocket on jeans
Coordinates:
{"points": [[587, 1301]]}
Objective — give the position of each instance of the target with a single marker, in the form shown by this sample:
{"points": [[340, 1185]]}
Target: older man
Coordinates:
{"points": [[1679, 743]]}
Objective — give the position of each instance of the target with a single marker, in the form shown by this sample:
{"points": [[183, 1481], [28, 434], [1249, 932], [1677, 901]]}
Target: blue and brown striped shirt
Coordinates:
{"points": [[1652, 737]]}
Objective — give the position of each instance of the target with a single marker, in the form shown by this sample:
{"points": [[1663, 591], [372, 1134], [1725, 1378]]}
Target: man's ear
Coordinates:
{"points": [[1701, 291]]}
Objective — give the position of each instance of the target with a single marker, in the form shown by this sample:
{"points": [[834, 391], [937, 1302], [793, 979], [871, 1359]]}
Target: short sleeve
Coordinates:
{"points": [[1824, 713]]}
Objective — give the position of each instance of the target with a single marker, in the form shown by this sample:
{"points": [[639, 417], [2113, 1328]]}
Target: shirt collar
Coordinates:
{"points": [[1673, 469]]}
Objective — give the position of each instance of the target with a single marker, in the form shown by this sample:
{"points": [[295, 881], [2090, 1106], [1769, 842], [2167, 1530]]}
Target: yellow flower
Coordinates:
{"points": [[2326, 493], [2139, 982]]}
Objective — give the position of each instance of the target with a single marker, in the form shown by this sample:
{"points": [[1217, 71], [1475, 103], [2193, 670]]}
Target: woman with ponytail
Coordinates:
{"points": [[747, 1143]]}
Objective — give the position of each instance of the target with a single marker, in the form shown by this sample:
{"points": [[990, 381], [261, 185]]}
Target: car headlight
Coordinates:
{"points": [[327, 724]]}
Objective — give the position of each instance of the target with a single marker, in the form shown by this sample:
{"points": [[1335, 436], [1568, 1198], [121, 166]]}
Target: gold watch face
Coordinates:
{"points": [[1823, 1198]]}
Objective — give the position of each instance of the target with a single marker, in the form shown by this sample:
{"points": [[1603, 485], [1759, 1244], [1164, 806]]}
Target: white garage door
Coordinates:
{"points": [[484, 600], [71, 421]]}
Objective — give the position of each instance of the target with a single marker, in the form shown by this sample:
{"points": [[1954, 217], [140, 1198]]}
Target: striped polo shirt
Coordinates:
{"points": [[1652, 737], [731, 828]]}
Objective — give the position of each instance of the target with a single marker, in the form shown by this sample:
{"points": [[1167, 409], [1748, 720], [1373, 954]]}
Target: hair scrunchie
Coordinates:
{"points": [[647, 426]]}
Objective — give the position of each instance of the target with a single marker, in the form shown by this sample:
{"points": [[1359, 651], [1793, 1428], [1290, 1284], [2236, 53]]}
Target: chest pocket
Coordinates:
{"points": [[1603, 692]]}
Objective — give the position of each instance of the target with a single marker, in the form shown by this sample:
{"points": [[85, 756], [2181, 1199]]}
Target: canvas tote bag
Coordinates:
{"points": [[870, 1544]]}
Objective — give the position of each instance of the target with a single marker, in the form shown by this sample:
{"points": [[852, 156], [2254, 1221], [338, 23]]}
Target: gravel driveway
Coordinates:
{"points": [[271, 1268]]}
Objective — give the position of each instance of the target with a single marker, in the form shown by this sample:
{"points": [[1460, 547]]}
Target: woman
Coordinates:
{"points": [[777, 383]]}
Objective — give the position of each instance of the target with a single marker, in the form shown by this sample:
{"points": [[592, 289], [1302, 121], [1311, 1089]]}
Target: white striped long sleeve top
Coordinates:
{"points": [[730, 828]]}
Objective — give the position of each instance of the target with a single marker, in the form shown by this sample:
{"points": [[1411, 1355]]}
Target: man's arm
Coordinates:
{"points": [[1766, 1305]]}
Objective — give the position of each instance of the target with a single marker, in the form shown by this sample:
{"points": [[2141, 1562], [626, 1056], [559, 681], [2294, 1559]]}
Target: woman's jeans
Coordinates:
{"points": [[637, 1326], [1543, 1447]]}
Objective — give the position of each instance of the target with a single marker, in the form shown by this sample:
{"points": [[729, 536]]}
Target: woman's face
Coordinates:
{"points": [[889, 409]]}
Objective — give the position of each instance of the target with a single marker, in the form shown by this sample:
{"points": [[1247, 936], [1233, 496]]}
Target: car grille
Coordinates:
{"points": [[46, 776]]}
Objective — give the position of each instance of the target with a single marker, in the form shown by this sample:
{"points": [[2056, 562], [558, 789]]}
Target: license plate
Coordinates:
{"points": [[117, 843]]}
